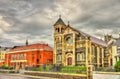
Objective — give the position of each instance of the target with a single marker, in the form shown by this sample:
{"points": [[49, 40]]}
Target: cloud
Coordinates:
{"points": [[34, 19], [3, 23]]}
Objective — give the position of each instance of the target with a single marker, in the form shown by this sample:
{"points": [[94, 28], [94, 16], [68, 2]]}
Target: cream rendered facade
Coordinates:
{"points": [[114, 54], [3, 51], [116, 51], [2, 55], [73, 47]]}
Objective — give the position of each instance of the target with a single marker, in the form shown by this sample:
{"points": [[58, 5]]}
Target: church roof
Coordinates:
{"points": [[93, 39], [98, 41], [32, 46], [117, 42], [59, 21]]}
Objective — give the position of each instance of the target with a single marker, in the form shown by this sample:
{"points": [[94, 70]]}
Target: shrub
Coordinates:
{"points": [[117, 66], [74, 69], [48, 68], [36, 69], [6, 67]]}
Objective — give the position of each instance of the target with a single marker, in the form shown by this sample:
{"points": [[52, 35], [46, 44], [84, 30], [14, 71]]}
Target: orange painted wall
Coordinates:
{"points": [[34, 58]]}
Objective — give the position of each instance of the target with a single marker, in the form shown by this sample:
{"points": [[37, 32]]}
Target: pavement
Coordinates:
{"points": [[21, 76]]}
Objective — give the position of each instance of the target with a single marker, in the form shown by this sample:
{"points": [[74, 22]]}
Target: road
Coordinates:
{"points": [[20, 76]]}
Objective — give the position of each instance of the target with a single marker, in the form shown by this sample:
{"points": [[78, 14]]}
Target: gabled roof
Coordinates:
{"points": [[117, 42], [93, 39], [32, 46], [98, 41], [59, 21]]}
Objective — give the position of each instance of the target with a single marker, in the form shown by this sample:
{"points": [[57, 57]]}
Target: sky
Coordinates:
{"points": [[34, 19]]}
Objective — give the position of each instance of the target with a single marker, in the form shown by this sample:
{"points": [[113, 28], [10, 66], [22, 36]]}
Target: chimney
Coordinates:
{"points": [[26, 42]]}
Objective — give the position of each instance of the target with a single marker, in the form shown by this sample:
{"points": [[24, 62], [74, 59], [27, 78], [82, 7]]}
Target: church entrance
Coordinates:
{"points": [[69, 61]]}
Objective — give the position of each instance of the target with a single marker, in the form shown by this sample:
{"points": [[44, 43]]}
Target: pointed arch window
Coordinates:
{"points": [[78, 57], [59, 58], [83, 56]]}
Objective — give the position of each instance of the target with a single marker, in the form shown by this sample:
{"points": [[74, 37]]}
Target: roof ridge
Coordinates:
{"points": [[93, 38], [33, 46]]}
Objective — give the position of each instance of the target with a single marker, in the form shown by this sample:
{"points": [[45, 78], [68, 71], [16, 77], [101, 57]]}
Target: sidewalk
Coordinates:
{"points": [[29, 76]]}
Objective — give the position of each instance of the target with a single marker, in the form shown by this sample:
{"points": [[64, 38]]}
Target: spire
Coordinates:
{"points": [[119, 35], [68, 23], [59, 16], [59, 21], [26, 42]]}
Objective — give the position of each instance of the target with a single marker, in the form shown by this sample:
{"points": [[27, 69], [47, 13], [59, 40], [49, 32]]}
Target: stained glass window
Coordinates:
{"points": [[69, 40]]}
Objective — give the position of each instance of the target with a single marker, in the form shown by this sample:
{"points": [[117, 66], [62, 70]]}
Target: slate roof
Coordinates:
{"points": [[59, 21], [117, 42], [93, 39], [32, 46], [99, 41]]}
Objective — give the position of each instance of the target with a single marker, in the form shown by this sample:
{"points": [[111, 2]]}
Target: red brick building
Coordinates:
{"points": [[30, 55]]}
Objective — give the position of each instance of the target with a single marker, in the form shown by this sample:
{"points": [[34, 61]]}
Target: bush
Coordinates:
{"points": [[48, 68], [36, 69], [117, 66], [6, 67], [74, 69]]}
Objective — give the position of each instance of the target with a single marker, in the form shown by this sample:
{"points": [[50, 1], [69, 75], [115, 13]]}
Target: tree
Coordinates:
{"points": [[117, 66]]}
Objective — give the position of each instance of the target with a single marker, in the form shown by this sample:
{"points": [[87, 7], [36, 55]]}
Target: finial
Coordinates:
{"points": [[68, 23], [59, 16], [26, 42]]}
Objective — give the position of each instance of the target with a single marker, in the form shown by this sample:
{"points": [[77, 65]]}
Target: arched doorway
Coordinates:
{"points": [[69, 60]]}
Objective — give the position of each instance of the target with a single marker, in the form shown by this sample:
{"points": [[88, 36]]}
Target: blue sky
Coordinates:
{"points": [[34, 19]]}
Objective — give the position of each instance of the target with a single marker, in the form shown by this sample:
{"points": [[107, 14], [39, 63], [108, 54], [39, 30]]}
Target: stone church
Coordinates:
{"points": [[73, 47]]}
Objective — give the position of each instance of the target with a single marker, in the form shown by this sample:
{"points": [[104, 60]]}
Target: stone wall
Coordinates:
{"points": [[106, 75], [56, 75], [7, 71]]}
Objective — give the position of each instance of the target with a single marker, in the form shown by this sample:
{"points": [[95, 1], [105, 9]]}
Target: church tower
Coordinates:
{"points": [[59, 28]]}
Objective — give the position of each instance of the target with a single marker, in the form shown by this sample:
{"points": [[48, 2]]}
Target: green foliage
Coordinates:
{"points": [[64, 69], [117, 66], [74, 69], [36, 69], [6, 67], [48, 68]]}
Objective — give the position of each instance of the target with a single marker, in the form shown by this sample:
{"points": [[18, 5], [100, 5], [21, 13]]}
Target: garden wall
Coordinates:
{"points": [[106, 75], [56, 75], [7, 71]]}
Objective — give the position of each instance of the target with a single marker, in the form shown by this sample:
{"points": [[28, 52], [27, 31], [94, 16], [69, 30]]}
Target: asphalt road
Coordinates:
{"points": [[20, 76]]}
